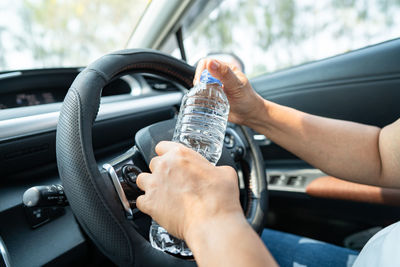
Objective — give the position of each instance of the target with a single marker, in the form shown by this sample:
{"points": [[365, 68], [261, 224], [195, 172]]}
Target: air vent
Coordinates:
{"points": [[160, 84]]}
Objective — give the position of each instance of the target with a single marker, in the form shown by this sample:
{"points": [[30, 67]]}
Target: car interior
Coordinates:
{"points": [[82, 134]]}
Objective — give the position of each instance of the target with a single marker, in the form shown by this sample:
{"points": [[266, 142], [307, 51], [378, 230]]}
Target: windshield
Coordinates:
{"points": [[64, 33], [277, 34]]}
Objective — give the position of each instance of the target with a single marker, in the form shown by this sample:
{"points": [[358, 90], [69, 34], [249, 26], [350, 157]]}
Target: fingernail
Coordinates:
{"points": [[214, 65]]}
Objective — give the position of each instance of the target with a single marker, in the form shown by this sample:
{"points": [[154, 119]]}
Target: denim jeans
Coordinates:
{"points": [[296, 251]]}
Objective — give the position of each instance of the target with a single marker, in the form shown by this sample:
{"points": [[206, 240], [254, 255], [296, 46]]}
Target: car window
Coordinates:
{"points": [[277, 34], [63, 33]]}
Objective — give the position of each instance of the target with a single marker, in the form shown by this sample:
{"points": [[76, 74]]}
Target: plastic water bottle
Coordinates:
{"points": [[201, 126]]}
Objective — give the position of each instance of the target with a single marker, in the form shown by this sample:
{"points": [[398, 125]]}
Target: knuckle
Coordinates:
{"points": [[225, 168], [229, 171], [161, 143], [159, 146], [181, 161], [153, 162], [139, 180], [180, 151], [140, 200], [144, 205], [141, 203], [234, 68], [162, 163], [157, 163], [225, 71]]}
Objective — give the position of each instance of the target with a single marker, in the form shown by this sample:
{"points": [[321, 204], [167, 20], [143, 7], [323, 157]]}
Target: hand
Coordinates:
{"points": [[184, 189], [245, 104]]}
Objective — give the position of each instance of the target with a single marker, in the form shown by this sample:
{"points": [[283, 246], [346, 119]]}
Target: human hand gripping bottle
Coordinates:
{"points": [[201, 126]]}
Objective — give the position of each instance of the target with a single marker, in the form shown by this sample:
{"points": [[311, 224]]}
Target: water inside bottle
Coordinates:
{"points": [[200, 126]]}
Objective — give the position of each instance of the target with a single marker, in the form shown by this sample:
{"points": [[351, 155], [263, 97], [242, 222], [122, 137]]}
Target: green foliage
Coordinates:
{"points": [[267, 34], [274, 25], [73, 32]]}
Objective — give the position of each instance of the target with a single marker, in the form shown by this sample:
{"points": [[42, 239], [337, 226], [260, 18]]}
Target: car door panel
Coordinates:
{"points": [[361, 86]]}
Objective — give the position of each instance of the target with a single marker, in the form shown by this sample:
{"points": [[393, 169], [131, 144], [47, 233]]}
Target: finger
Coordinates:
{"points": [[154, 163], [142, 204], [224, 73], [199, 69], [143, 180], [165, 146], [234, 68]]}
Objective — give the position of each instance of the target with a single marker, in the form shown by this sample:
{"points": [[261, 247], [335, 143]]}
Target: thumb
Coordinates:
{"points": [[224, 73]]}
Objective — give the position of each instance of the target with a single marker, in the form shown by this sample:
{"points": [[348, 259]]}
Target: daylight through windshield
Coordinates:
{"points": [[277, 34], [63, 33]]}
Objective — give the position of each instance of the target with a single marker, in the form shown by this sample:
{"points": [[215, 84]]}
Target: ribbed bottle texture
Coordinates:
{"points": [[200, 126]]}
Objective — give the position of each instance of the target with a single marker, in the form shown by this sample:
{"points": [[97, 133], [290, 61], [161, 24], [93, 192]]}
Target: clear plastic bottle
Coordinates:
{"points": [[201, 126]]}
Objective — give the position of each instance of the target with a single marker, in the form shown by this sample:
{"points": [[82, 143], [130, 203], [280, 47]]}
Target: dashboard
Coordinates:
{"points": [[32, 98], [46, 90], [30, 102]]}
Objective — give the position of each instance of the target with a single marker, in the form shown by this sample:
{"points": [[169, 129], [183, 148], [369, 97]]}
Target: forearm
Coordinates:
{"points": [[340, 148], [228, 241]]}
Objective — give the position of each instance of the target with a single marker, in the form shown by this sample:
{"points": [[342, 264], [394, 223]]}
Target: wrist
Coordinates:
{"points": [[259, 118], [227, 240], [202, 232]]}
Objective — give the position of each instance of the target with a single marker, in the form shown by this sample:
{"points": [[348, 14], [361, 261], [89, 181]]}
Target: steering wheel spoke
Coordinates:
{"points": [[123, 172]]}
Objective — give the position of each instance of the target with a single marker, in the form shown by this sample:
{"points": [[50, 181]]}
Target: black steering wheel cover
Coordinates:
{"points": [[90, 192], [91, 195], [258, 207]]}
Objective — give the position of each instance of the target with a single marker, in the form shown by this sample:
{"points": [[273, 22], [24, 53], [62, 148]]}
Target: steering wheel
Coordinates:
{"points": [[103, 199]]}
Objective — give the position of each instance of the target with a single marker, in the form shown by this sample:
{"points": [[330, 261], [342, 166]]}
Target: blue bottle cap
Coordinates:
{"points": [[208, 79]]}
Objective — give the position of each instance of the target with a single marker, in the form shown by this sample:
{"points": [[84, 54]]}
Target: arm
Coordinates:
{"points": [[347, 150], [228, 241], [199, 203]]}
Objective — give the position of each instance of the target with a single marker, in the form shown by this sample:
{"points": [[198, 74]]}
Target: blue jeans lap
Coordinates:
{"points": [[296, 251]]}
